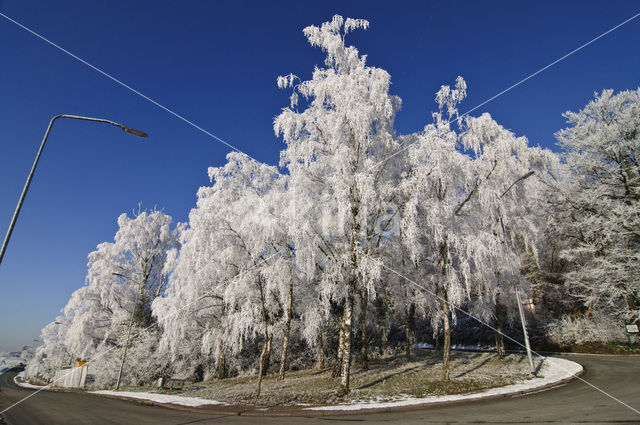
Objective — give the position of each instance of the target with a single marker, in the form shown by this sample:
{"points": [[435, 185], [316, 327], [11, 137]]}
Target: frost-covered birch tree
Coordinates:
{"points": [[53, 353], [192, 313], [234, 276], [342, 202], [510, 204], [461, 189], [123, 279], [260, 297], [599, 203], [440, 241]]}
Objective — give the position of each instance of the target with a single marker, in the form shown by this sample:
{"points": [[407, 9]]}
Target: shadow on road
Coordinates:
{"points": [[195, 421]]}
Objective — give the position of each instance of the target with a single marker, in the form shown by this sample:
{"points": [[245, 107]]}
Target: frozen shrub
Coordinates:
{"points": [[579, 330]]}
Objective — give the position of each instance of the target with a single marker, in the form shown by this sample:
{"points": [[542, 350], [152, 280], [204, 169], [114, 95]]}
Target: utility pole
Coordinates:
{"points": [[126, 344], [515, 285]]}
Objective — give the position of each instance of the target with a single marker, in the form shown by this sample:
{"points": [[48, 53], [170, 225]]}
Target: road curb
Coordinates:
{"points": [[301, 411]]}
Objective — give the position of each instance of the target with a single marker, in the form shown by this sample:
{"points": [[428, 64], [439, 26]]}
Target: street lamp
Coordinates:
{"points": [[35, 163], [515, 285]]}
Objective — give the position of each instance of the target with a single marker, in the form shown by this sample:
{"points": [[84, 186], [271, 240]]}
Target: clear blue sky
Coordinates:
{"points": [[216, 63]]}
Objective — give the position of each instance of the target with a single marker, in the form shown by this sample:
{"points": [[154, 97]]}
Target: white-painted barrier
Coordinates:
{"points": [[73, 377]]}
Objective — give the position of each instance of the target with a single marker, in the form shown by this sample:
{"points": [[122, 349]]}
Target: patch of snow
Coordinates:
{"points": [[25, 384], [553, 370], [160, 398], [427, 346], [469, 348], [10, 360]]}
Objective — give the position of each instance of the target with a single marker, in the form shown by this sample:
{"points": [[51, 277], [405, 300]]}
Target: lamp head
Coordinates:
{"points": [[133, 131]]}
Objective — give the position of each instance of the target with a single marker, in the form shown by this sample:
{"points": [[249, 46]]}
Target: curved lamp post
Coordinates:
{"points": [[516, 290], [35, 163]]}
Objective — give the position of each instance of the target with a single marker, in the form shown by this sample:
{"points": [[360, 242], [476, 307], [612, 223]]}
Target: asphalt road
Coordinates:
{"points": [[575, 402]]}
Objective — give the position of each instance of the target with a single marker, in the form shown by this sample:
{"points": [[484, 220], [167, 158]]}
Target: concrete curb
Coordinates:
{"points": [[301, 411]]}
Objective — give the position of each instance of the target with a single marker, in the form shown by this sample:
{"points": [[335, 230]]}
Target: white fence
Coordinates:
{"points": [[73, 377]]}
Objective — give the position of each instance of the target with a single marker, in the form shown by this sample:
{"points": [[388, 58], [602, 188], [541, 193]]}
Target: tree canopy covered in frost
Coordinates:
{"points": [[465, 209], [333, 151], [234, 270], [599, 203], [123, 279], [362, 238]]}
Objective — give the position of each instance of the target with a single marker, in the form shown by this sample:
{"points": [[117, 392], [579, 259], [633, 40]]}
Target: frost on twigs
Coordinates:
{"points": [[450, 98], [462, 228], [597, 204], [363, 241], [331, 148], [123, 279]]}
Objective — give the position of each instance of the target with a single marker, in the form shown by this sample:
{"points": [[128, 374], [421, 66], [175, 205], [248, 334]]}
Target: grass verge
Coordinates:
{"points": [[388, 378]]}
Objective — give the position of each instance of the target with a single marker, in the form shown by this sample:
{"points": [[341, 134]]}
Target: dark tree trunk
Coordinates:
{"points": [[364, 339], [320, 364], [221, 369], [446, 354], [287, 333], [499, 330], [500, 339], [382, 323], [409, 328], [267, 357], [264, 362]]}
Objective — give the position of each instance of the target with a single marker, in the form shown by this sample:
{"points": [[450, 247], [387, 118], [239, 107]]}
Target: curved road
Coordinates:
{"points": [[575, 402]]}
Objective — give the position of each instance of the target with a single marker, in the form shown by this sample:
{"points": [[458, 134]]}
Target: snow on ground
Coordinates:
{"points": [[553, 370], [18, 379], [10, 360], [160, 398], [455, 347]]}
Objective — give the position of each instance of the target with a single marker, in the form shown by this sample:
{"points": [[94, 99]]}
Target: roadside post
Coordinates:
{"points": [[632, 329]]}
